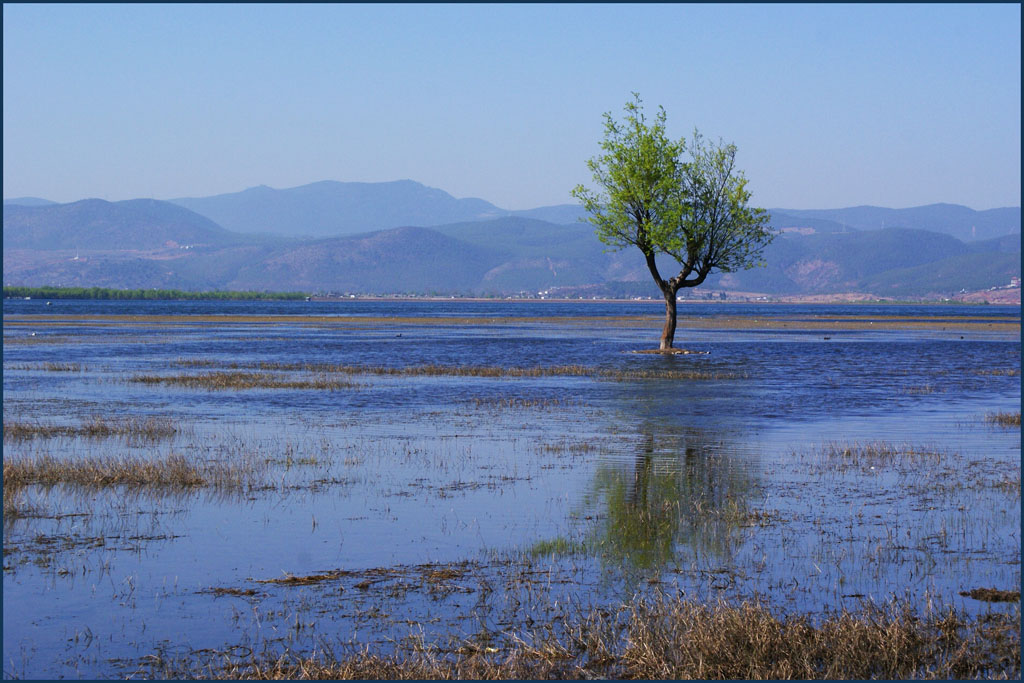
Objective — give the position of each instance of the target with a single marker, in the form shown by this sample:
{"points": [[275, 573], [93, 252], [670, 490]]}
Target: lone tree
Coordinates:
{"points": [[665, 197]]}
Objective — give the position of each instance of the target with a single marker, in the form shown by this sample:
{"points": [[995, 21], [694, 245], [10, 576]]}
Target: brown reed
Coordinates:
{"points": [[223, 381], [1004, 419], [672, 638], [173, 471], [147, 428]]}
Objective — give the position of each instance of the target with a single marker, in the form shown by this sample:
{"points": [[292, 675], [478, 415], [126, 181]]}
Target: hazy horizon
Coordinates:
{"points": [[525, 208], [836, 106]]}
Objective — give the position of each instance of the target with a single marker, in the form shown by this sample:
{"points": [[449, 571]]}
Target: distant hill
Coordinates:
{"points": [[99, 224], [890, 262], [961, 222], [27, 201], [563, 214], [402, 260], [780, 220], [1007, 244], [335, 209], [536, 255], [150, 243], [512, 254]]}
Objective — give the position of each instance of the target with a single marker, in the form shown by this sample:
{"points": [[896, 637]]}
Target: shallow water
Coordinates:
{"points": [[584, 486]]}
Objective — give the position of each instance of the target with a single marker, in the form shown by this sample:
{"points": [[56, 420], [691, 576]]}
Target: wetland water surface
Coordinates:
{"points": [[365, 473]]}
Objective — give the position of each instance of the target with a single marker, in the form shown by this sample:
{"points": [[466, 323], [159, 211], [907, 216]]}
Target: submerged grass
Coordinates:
{"points": [[149, 428], [513, 402], [920, 390], [670, 637], [875, 454]]}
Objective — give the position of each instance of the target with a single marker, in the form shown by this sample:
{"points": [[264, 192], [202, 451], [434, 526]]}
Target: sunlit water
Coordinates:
{"points": [[573, 489]]}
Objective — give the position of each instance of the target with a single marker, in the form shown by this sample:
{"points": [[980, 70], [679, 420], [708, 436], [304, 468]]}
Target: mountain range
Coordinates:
{"points": [[334, 209], [404, 237]]}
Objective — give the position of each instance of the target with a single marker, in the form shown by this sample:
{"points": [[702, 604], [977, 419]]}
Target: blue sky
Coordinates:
{"points": [[829, 105]]}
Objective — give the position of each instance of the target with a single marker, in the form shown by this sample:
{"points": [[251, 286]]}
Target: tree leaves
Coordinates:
{"points": [[663, 196]]}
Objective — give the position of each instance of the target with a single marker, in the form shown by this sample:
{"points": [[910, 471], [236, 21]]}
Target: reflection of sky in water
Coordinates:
{"points": [[710, 486]]}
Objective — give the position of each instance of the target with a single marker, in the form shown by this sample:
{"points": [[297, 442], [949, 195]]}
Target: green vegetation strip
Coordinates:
{"points": [[105, 293], [674, 638]]}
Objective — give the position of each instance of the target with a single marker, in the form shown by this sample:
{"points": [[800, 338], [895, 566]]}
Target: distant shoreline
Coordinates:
{"points": [[789, 300], [1002, 296]]}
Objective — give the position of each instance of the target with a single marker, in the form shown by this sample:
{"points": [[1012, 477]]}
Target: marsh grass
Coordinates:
{"points": [[236, 592], [515, 402], [291, 460], [992, 595], [671, 638], [147, 429], [921, 390], [233, 381], [434, 370], [173, 471], [16, 506], [51, 367], [427, 573], [1008, 484], [874, 455], [1004, 419], [572, 447], [31, 341]]}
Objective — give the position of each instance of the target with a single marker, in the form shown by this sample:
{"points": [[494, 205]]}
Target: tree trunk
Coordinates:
{"points": [[669, 332]]}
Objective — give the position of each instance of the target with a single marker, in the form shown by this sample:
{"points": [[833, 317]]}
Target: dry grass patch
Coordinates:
{"points": [[148, 428], [292, 580], [434, 370], [236, 592], [173, 471], [1007, 372], [50, 367], [1004, 419], [233, 381], [992, 595], [670, 638]]}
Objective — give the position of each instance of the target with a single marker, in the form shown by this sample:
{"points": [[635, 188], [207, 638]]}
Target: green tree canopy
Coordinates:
{"points": [[688, 201]]}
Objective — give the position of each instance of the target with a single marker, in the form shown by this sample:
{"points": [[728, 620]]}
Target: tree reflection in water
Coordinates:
{"points": [[680, 492]]}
